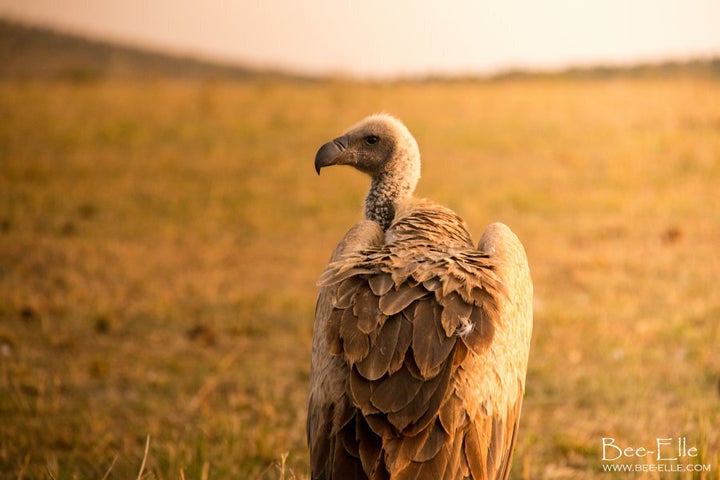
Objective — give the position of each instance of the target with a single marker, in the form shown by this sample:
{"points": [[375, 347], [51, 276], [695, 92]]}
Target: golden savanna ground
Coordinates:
{"points": [[160, 242]]}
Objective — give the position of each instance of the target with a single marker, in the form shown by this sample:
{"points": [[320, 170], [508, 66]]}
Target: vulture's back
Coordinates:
{"points": [[420, 351]]}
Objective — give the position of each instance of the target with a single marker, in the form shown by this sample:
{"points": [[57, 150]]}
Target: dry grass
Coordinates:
{"points": [[160, 241]]}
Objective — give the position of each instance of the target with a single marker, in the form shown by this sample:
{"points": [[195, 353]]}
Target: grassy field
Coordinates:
{"points": [[160, 242]]}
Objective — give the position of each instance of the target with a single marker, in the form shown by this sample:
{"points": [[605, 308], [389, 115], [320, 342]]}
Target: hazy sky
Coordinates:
{"points": [[397, 37]]}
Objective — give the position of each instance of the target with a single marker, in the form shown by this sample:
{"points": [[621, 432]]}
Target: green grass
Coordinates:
{"points": [[160, 242]]}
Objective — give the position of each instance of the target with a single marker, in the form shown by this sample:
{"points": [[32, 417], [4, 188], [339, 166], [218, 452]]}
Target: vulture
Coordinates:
{"points": [[420, 339]]}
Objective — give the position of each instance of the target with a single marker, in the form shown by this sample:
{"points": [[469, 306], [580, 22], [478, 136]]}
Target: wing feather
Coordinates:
{"points": [[381, 284], [429, 343], [396, 300], [361, 391], [432, 445], [366, 310], [345, 295], [481, 332], [356, 344], [455, 313], [452, 414], [377, 362], [423, 407], [403, 343], [395, 391], [401, 450], [370, 450]]}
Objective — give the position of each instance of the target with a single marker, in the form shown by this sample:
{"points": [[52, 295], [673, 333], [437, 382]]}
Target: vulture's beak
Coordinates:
{"points": [[330, 153]]}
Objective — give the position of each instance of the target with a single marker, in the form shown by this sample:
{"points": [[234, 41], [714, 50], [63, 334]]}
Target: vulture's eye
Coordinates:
{"points": [[372, 139]]}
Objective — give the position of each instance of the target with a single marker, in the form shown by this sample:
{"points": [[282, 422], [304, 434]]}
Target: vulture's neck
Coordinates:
{"points": [[385, 193]]}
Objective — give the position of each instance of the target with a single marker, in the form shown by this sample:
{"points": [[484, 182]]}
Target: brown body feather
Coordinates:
{"points": [[429, 356]]}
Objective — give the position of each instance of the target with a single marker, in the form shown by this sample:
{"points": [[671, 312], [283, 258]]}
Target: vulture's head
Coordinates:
{"points": [[382, 147]]}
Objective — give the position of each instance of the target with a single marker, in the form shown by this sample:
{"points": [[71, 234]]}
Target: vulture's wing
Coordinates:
{"points": [[328, 404], [494, 430]]}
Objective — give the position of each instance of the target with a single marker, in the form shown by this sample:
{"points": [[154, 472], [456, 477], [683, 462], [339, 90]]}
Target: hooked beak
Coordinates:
{"points": [[330, 153]]}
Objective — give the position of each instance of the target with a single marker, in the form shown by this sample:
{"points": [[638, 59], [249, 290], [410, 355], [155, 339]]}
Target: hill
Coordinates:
{"points": [[40, 53], [33, 52]]}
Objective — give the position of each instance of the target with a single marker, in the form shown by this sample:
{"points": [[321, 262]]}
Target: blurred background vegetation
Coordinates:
{"points": [[162, 228]]}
